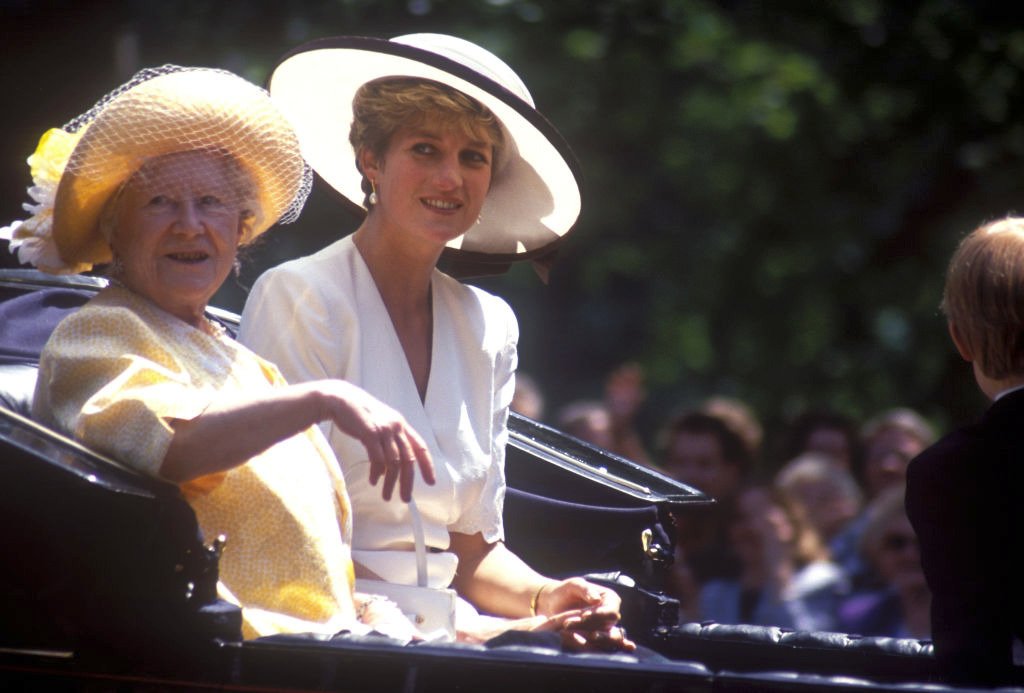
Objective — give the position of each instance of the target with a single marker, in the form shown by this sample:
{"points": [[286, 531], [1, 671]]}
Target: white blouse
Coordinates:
{"points": [[322, 317]]}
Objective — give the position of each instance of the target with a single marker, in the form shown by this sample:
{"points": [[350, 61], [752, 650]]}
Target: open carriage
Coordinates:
{"points": [[107, 583]]}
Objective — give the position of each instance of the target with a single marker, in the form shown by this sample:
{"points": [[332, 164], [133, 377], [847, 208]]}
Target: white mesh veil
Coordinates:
{"points": [[160, 112]]}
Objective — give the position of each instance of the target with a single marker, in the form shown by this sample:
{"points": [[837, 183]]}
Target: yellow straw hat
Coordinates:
{"points": [[158, 112]]}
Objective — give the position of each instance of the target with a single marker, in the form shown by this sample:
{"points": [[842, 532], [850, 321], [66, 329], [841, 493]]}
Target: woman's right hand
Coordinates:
{"points": [[587, 630], [581, 630], [384, 616], [394, 448]]}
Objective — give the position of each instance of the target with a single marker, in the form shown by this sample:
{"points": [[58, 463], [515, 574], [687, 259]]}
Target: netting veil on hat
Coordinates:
{"points": [[77, 169]]}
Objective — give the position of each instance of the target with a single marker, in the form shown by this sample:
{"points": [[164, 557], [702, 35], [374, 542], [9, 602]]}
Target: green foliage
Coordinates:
{"points": [[771, 189]]}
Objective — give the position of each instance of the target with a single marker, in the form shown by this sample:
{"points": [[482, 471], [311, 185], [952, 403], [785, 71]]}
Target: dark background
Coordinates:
{"points": [[771, 193]]}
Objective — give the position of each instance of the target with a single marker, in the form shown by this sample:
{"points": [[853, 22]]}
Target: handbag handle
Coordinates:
{"points": [[421, 544]]}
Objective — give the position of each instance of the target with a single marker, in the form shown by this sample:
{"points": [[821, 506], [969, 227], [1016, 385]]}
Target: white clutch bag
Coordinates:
{"points": [[431, 609]]}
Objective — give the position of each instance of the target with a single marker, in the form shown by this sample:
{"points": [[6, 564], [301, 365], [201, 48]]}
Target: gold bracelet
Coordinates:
{"points": [[536, 596]]}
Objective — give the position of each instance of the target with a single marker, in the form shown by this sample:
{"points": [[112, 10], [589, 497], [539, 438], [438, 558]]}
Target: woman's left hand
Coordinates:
{"points": [[576, 593], [586, 614]]}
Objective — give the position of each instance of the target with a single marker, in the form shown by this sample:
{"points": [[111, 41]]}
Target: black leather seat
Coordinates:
{"points": [[26, 322], [17, 383]]}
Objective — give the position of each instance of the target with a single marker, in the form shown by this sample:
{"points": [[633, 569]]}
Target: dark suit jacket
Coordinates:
{"points": [[965, 499]]}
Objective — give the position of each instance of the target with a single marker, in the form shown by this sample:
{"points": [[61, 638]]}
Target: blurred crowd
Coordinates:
{"points": [[814, 538]]}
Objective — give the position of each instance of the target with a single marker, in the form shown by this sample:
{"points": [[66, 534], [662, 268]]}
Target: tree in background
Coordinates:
{"points": [[771, 189]]}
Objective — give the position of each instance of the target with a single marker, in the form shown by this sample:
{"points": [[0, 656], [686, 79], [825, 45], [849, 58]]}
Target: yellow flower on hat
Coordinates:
{"points": [[47, 162], [33, 238]]}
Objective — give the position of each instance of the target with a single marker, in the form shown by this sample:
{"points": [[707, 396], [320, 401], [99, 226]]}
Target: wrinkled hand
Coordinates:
{"points": [[394, 448], [384, 616]]}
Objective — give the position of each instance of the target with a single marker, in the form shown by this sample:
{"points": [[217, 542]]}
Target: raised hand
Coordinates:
{"points": [[393, 447]]}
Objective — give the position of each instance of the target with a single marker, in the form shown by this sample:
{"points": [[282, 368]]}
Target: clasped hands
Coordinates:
{"points": [[585, 614]]}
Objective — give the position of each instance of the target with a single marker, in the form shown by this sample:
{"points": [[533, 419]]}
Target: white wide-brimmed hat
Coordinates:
{"points": [[534, 199], [160, 111]]}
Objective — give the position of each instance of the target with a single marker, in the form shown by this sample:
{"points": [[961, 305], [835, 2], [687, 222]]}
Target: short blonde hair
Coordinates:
{"points": [[984, 296], [813, 467], [901, 419], [808, 545], [383, 106]]}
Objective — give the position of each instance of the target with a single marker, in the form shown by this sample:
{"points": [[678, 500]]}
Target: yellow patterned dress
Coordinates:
{"points": [[117, 371]]}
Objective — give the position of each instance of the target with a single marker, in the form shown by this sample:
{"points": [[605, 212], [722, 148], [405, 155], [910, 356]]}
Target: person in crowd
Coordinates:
{"points": [[741, 418], [964, 493], [610, 422], [439, 141], [899, 608], [624, 394], [826, 432], [528, 397], [162, 181], [786, 578], [889, 441], [705, 452], [588, 420], [828, 493]]}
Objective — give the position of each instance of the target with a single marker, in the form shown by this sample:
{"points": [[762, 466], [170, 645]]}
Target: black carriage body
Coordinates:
{"points": [[107, 583]]}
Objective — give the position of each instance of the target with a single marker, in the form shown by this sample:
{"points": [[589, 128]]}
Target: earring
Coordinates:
{"points": [[480, 218], [373, 199], [236, 267]]}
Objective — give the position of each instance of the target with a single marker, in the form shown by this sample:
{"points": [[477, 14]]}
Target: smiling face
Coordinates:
{"points": [[431, 181], [178, 224]]}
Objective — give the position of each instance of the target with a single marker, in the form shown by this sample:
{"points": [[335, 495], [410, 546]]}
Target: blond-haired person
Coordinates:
{"points": [[785, 579], [439, 140], [965, 493], [162, 181], [898, 606]]}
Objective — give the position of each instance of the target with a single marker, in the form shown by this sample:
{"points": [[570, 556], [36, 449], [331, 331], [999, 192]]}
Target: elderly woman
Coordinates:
{"points": [[451, 159], [164, 179], [900, 605]]}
